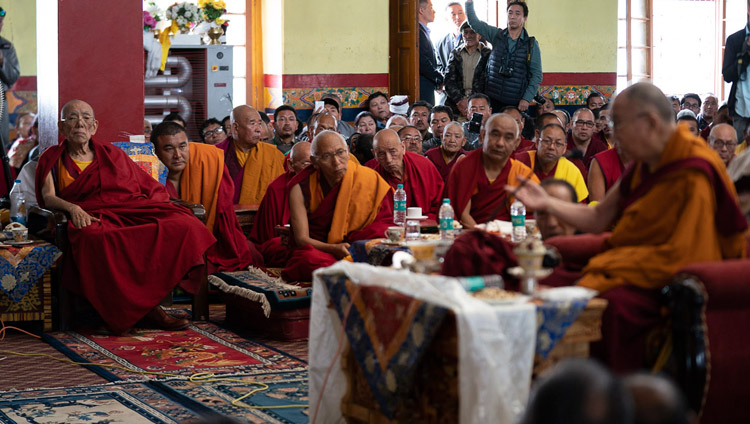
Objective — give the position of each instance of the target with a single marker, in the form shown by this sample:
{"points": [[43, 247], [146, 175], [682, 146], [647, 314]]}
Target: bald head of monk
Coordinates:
{"points": [[330, 155], [299, 157], [77, 122], [500, 136], [246, 126], [723, 139], [643, 122], [389, 150]]}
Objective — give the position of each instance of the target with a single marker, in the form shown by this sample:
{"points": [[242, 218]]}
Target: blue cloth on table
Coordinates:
{"points": [[18, 279], [553, 320]]}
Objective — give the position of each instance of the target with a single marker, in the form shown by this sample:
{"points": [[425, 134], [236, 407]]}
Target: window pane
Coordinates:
{"points": [[240, 67], [622, 62], [622, 33], [639, 8], [639, 33], [621, 4], [640, 61]]}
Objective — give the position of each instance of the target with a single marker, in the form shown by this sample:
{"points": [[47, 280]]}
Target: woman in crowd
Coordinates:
{"points": [[365, 123]]}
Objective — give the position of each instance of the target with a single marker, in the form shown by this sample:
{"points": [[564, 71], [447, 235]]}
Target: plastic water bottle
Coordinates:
{"points": [[18, 204], [399, 206], [518, 217], [478, 282], [445, 215]]}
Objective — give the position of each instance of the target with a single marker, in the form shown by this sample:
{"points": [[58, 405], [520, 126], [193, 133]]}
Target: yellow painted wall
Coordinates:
{"points": [[20, 28], [575, 35], [335, 36]]}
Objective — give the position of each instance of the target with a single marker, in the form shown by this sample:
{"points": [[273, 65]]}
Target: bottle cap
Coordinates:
{"points": [[400, 186], [18, 181], [446, 201]]}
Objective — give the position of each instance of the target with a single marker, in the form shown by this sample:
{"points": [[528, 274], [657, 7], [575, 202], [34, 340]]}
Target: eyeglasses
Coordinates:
{"points": [[213, 132], [409, 138], [556, 144], [720, 144], [589, 124], [73, 119], [691, 106], [327, 157]]}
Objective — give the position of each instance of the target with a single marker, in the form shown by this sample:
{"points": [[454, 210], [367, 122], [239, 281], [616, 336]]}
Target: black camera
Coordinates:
{"points": [[539, 99], [476, 123], [506, 71]]}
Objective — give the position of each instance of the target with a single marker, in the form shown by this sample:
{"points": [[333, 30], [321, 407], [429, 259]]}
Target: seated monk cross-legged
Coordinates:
{"points": [[476, 185], [676, 206], [251, 164], [274, 209], [129, 245], [421, 180], [197, 175], [332, 203]]}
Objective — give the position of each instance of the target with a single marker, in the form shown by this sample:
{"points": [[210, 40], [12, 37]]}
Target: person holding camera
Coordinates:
{"points": [[734, 70], [9, 73], [514, 68]]}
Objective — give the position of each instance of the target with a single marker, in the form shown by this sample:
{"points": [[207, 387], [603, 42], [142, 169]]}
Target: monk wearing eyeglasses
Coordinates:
{"points": [[251, 164], [583, 139], [332, 203]]}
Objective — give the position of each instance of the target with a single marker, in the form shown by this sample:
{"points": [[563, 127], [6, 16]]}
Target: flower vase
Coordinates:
{"points": [[214, 34]]}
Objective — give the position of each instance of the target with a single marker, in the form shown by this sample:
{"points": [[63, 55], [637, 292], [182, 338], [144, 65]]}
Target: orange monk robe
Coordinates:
{"points": [[262, 165], [206, 181], [360, 207], [684, 212], [489, 200]]}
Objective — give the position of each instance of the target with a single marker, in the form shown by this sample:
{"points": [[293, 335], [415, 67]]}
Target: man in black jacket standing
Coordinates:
{"points": [[736, 60], [9, 73], [429, 76]]}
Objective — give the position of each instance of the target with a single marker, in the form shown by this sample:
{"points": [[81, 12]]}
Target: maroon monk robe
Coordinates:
{"points": [[306, 259], [232, 251], [468, 181], [144, 245], [233, 165], [596, 145], [435, 155], [611, 165], [422, 183], [273, 211]]}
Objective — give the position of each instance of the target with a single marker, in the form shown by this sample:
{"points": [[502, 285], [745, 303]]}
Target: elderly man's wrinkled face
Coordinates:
{"points": [[500, 137], [551, 145], [247, 126], [214, 134], [602, 124], [549, 225], [389, 152], [331, 157], [471, 38], [438, 122], [412, 139], [324, 123], [710, 106], [286, 123], [379, 108], [78, 124], [723, 140], [583, 126], [419, 117], [173, 151], [453, 138]]}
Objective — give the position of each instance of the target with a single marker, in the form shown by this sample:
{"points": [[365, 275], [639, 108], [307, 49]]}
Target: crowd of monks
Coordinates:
{"points": [[664, 194]]}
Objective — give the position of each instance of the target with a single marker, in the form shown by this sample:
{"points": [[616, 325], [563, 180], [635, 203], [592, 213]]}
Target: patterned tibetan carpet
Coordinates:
{"points": [[111, 403], [22, 372], [202, 347], [285, 390]]}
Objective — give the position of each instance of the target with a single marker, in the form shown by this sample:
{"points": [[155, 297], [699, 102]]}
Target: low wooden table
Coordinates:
{"points": [[434, 397], [246, 216]]}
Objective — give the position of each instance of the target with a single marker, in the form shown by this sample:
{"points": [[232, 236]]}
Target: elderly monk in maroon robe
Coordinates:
{"points": [[197, 175], [445, 156], [251, 164], [421, 180], [129, 245], [274, 209], [332, 203], [476, 185]]}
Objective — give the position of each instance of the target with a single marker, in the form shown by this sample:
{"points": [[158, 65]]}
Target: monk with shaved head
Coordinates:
{"points": [[420, 178], [129, 245], [332, 203], [252, 165], [676, 205], [274, 209], [476, 185]]}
